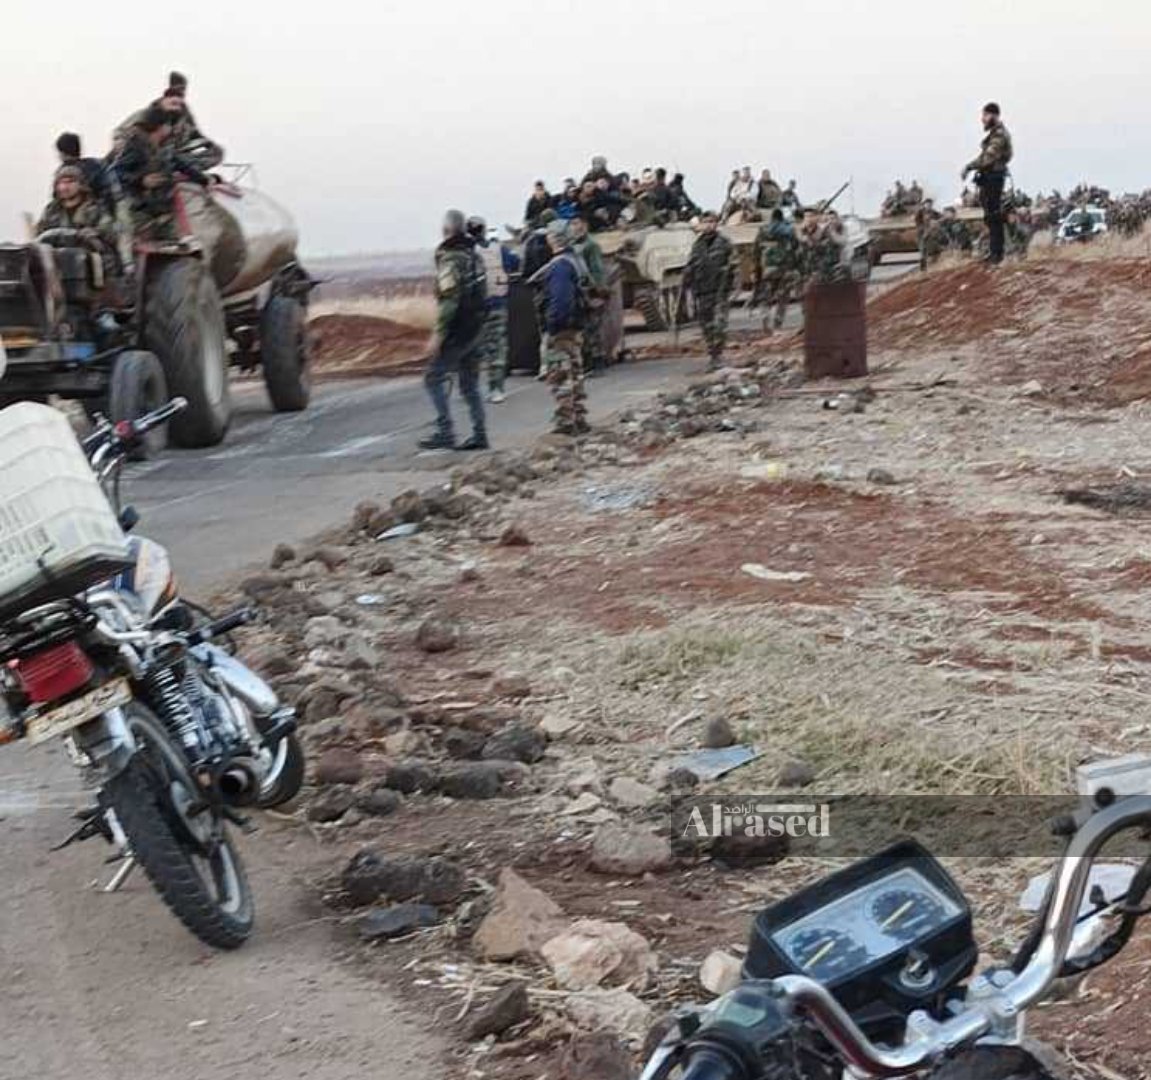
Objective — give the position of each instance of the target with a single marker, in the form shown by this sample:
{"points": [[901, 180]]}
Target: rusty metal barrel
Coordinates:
{"points": [[835, 329]]}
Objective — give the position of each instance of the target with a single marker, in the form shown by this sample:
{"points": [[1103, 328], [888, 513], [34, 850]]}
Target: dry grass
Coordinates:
{"points": [[413, 309]]}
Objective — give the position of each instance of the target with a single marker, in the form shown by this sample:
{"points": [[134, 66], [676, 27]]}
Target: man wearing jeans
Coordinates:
{"points": [[461, 304], [990, 168]]}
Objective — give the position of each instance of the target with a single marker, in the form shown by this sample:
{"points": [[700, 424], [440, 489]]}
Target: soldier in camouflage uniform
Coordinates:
{"points": [[990, 168], [185, 132], [821, 243], [591, 254], [461, 306], [73, 207], [493, 346], [563, 283], [710, 274], [147, 169], [777, 266]]}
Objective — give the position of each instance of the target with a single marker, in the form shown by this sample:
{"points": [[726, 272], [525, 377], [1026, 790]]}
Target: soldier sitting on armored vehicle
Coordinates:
{"points": [[769, 194], [686, 209], [539, 201], [68, 147], [148, 167]]}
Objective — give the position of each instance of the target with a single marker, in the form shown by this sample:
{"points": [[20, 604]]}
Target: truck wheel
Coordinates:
{"points": [[184, 327], [138, 387], [284, 354]]}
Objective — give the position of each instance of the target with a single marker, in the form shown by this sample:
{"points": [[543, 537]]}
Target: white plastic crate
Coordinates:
{"points": [[58, 534]]}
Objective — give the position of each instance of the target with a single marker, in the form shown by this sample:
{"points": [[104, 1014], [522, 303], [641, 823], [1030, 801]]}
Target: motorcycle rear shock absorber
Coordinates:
{"points": [[170, 701]]}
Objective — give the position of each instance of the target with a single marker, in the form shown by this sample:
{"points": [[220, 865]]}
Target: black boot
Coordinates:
{"points": [[478, 441], [441, 440]]}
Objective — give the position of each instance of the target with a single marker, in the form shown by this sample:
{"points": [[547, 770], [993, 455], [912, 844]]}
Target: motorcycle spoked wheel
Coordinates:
{"points": [[189, 857]]}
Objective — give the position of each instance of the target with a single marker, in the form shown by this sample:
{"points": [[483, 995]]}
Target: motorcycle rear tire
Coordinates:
{"points": [[159, 841]]}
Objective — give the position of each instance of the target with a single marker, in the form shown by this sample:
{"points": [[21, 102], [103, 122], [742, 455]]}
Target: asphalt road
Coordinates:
{"points": [[288, 476]]}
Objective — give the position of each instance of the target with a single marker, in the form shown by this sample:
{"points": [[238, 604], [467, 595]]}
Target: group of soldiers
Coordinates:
{"points": [[755, 200], [1126, 214], [901, 200], [788, 253], [607, 200], [565, 267], [134, 185]]}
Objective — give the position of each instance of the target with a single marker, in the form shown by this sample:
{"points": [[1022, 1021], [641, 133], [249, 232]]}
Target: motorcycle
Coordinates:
{"points": [[175, 734], [868, 972]]}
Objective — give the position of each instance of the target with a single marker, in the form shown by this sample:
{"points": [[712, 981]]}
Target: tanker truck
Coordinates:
{"points": [[123, 332]]}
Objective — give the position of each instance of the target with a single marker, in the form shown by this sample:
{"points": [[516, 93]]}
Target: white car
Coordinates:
{"points": [[1073, 227]]}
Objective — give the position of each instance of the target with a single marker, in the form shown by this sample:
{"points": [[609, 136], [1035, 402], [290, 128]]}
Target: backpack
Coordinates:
{"points": [[492, 256], [473, 303]]}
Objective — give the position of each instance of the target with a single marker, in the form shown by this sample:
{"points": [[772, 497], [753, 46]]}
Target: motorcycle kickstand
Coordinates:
{"points": [[123, 872]]}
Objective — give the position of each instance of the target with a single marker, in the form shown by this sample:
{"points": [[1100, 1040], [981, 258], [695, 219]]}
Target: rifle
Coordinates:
{"points": [[825, 205]]}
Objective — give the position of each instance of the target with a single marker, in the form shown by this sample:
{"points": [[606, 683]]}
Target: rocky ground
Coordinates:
{"points": [[930, 580]]}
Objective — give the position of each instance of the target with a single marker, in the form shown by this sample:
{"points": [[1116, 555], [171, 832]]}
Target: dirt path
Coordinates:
{"points": [[112, 988]]}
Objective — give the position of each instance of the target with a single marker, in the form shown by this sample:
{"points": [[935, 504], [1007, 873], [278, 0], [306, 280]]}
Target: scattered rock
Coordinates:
{"points": [[331, 804], [880, 476], [594, 951], [624, 791], [508, 1007], [381, 565], [1031, 388], [409, 507], [324, 632], [628, 851], [583, 804], [476, 780], [265, 588], [370, 876], [522, 918], [270, 661], [516, 742], [512, 685], [618, 1011], [739, 851], [469, 574], [323, 697], [282, 555], [720, 972], [601, 1056], [403, 743], [719, 734], [412, 776], [463, 745], [378, 801], [556, 727], [796, 773], [437, 635], [514, 536], [680, 781], [338, 766], [331, 558], [391, 922]]}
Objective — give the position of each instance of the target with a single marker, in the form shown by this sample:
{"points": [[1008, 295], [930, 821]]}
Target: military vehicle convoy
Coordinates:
{"points": [[123, 336], [652, 261], [899, 235]]}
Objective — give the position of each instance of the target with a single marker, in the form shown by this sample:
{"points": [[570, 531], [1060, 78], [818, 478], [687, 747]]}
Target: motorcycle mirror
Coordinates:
{"points": [[129, 518]]}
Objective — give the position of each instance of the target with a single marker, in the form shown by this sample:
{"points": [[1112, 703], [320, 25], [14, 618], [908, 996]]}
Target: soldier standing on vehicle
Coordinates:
{"points": [[563, 284], [499, 263], [710, 274], [990, 168], [68, 147], [461, 307]]}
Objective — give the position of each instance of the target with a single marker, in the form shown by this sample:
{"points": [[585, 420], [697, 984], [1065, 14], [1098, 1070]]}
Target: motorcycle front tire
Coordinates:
{"points": [[203, 884]]}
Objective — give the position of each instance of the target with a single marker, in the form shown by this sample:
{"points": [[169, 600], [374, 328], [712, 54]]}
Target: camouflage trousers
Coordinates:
{"points": [[565, 375], [592, 348], [776, 291], [160, 228], [712, 311], [493, 348]]}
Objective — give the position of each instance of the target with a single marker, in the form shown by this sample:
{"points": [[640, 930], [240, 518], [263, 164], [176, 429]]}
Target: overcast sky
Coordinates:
{"points": [[367, 119]]}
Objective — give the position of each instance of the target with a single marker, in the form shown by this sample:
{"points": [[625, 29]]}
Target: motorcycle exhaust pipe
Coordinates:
{"points": [[239, 783]]}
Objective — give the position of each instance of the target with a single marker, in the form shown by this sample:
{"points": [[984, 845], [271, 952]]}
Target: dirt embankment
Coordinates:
{"points": [[353, 346], [1081, 328]]}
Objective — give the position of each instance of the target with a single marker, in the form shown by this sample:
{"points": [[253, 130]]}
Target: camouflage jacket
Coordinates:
{"points": [[821, 252], [711, 266], [89, 215], [995, 152], [184, 132], [461, 290], [775, 247]]}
